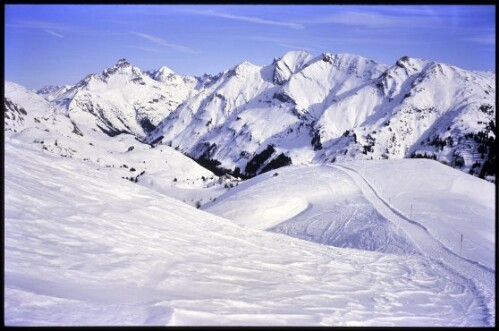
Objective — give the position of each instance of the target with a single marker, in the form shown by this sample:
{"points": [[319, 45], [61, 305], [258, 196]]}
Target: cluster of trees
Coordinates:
{"points": [[256, 162], [370, 144], [213, 165], [316, 141], [136, 178], [489, 168], [252, 166], [146, 124], [439, 142], [475, 168], [280, 161], [487, 149], [415, 155], [458, 161], [487, 109]]}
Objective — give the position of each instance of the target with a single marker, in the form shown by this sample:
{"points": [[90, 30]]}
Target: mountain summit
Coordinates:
{"points": [[122, 63]]}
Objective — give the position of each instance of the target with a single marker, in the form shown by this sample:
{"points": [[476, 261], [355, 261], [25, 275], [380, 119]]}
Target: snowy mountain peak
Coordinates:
{"points": [[122, 67], [296, 56], [411, 64], [337, 106], [161, 75], [342, 60], [165, 71], [246, 65], [327, 57], [288, 64], [243, 68], [122, 63]]}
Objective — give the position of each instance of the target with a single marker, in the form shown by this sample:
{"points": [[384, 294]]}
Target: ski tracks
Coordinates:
{"points": [[477, 278]]}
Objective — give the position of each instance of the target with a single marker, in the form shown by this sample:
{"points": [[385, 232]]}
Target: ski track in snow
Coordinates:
{"points": [[476, 276]]}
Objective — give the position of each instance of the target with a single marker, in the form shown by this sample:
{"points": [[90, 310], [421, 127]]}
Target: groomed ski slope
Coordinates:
{"points": [[84, 248]]}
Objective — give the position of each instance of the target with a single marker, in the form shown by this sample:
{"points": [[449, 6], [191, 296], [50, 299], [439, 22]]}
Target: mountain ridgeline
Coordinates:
{"points": [[300, 109]]}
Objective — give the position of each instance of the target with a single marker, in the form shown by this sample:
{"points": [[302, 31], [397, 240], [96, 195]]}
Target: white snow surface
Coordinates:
{"points": [[316, 203], [366, 205], [290, 63], [125, 99], [39, 112], [447, 202], [51, 93], [85, 248]]}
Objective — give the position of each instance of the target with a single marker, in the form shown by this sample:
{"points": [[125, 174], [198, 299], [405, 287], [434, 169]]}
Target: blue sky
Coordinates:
{"points": [[61, 44]]}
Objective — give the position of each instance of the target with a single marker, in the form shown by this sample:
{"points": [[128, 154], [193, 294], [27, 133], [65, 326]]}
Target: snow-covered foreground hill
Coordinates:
{"points": [[316, 203], [326, 204], [367, 205], [85, 247]]}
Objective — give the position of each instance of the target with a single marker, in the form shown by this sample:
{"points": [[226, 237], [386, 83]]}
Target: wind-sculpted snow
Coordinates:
{"points": [[85, 248], [315, 203]]}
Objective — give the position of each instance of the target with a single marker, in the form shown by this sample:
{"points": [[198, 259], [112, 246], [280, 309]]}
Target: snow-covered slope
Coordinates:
{"points": [[110, 252], [51, 93], [32, 120], [316, 203], [447, 216], [244, 111], [104, 229], [25, 109], [445, 201], [324, 204], [289, 64]]}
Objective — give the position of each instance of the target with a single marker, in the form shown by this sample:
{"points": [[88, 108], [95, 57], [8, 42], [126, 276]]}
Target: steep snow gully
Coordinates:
{"points": [[476, 277]]}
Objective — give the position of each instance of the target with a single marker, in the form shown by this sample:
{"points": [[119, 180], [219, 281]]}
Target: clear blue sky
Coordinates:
{"points": [[61, 44]]}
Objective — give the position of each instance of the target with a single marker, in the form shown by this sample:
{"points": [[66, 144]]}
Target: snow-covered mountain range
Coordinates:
{"points": [[337, 107], [300, 109]]}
